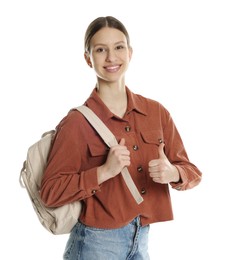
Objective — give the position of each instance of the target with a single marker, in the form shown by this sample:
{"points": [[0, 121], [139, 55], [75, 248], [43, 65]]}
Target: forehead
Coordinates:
{"points": [[108, 36]]}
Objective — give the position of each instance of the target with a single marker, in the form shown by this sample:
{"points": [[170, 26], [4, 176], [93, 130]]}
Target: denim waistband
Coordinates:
{"points": [[136, 221]]}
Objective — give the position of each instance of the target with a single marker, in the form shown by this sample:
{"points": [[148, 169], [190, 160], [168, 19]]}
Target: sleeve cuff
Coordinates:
{"points": [[180, 184], [91, 182]]}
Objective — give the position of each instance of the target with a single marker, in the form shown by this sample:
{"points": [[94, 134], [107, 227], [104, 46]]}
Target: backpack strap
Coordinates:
{"points": [[110, 140]]}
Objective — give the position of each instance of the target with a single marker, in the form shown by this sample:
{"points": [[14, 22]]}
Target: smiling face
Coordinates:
{"points": [[109, 54]]}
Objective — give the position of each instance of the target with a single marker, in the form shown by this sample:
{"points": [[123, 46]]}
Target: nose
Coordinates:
{"points": [[111, 56]]}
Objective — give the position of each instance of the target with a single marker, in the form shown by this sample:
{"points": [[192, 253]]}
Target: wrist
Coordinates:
{"points": [[176, 174], [102, 174]]}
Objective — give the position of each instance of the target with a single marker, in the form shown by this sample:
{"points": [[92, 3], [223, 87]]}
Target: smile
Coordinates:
{"points": [[112, 68]]}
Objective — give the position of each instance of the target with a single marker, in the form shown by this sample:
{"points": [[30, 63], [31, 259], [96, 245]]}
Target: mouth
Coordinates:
{"points": [[112, 68]]}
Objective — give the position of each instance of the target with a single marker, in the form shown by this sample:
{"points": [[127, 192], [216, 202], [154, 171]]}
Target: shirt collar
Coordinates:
{"points": [[135, 103], [96, 104]]}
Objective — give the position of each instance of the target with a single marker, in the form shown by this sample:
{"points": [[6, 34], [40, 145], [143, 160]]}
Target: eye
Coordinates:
{"points": [[120, 47], [100, 50]]}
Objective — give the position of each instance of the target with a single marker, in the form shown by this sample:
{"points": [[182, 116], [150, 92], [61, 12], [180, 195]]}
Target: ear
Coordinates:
{"points": [[130, 52], [87, 58]]}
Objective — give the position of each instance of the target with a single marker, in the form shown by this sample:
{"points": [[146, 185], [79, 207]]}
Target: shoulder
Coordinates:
{"points": [[72, 120], [148, 105]]}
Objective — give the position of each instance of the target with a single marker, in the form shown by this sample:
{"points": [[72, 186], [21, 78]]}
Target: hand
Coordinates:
{"points": [[117, 159], [161, 170]]}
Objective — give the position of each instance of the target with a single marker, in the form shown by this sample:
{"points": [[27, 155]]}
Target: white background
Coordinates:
{"points": [[179, 59]]}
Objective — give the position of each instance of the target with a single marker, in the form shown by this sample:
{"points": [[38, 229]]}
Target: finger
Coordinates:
{"points": [[156, 179], [154, 175], [153, 163], [161, 151], [154, 170], [122, 141]]}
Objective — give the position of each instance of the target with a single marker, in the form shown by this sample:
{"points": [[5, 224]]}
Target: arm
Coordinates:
{"points": [[173, 165], [70, 175]]}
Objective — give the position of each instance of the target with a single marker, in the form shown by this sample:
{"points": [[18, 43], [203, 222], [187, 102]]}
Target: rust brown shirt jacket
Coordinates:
{"points": [[77, 151]]}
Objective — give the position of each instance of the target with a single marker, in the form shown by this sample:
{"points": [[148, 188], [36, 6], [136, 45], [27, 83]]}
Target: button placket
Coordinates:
{"points": [[139, 167]]}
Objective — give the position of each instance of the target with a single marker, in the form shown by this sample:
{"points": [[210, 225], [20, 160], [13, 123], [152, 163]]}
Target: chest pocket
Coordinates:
{"points": [[151, 141], [97, 153], [97, 149], [152, 137]]}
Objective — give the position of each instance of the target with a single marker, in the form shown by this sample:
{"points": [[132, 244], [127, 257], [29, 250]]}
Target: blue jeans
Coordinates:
{"points": [[127, 243]]}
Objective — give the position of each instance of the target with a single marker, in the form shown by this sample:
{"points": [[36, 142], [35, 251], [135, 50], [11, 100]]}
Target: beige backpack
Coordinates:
{"points": [[62, 219]]}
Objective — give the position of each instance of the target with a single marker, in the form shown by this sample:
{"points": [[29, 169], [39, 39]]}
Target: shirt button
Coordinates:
{"points": [[160, 140], [135, 147], [139, 169], [143, 191], [127, 128]]}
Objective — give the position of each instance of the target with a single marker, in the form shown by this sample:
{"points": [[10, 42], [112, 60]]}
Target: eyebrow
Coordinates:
{"points": [[116, 43]]}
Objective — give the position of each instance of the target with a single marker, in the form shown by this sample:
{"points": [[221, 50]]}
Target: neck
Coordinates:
{"points": [[114, 97]]}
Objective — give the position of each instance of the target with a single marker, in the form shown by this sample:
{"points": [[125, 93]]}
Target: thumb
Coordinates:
{"points": [[161, 151], [122, 141]]}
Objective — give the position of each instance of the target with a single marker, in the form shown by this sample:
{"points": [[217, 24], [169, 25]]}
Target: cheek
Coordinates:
{"points": [[97, 61], [96, 66], [125, 57]]}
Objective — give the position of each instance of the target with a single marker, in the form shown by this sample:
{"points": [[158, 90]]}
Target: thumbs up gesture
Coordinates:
{"points": [[161, 170]]}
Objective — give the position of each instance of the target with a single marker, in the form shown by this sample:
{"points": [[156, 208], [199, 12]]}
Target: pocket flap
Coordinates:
{"points": [[152, 137]]}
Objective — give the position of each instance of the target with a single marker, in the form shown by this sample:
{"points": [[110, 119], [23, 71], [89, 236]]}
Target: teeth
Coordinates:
{"points": [[112, 67]]}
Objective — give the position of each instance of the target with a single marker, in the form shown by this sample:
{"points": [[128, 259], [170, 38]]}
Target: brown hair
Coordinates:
{"points": [[99, 23]]}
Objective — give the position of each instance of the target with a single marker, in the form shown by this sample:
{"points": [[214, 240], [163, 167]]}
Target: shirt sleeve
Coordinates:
{"points": [[190, 175], [63, 180]]}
